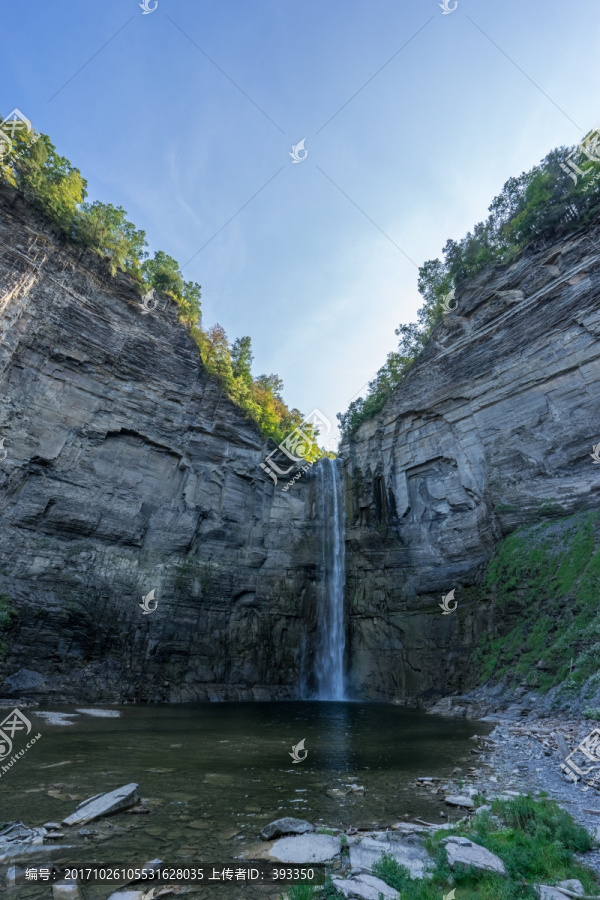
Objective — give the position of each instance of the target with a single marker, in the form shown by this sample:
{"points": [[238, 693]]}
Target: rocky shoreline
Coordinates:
{"points": [[520, 756]]}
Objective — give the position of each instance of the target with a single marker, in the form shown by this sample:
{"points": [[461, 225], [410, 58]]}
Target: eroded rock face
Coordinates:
{"points": [[492, 429], [127, 470]]}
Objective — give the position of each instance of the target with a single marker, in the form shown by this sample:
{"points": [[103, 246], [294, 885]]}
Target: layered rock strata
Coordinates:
{"points": [[490, 430], [127, 471]]}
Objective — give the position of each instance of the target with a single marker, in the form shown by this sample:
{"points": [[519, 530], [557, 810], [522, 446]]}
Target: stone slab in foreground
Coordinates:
{"points": [[286, 825], [366, 852], [104, 805], [305, 848], [462, 851], [365, 887]]}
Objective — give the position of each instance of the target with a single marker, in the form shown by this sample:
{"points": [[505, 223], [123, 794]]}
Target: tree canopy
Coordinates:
{"points": [[553, 198], [52, 184]]}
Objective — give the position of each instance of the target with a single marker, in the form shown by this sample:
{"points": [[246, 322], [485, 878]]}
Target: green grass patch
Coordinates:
{"points": [[545, 581], [535, 839]]}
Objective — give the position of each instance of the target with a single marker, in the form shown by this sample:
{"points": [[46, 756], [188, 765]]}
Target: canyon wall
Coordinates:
{"points": [[127, 471], [491, 429]]}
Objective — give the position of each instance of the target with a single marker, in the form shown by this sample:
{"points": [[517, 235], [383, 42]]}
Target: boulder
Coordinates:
{"points": [[287, 825], [305, 848], [104, 805], [462, 851], [65, 890], [573, 885], [368, 851], [23, 680], [365, 887], [459, 800]]}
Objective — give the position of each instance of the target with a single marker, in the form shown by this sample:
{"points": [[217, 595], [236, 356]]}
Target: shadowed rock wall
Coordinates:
{"points": [[492, 429], [128, 470]]}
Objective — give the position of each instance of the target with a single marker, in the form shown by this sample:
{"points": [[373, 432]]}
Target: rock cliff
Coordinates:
{"points": [[127, 470], [490, 430]]}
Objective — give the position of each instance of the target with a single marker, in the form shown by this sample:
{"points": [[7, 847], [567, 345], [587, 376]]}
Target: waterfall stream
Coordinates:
{"points": [[329, 660]]}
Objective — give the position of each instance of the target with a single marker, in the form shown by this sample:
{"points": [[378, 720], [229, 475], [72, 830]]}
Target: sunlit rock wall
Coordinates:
{"points": [[493, 428]]}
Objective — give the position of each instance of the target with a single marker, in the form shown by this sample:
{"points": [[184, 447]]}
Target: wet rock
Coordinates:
{"points": [[337, 793], [17, 832], [104, 804], [412, 855], [286, 825], [459, 800], [52, 826], [462, 851], [365, 887], [306, 848], [24, 680]]}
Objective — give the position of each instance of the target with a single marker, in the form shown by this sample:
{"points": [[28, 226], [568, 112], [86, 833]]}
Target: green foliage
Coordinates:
{"points": [[47, 180], [104, 228], [535, 839], [162, 273], [54, 186], [538, 205], [329, 891], [592, 712], [545, 580], [312, 892]]}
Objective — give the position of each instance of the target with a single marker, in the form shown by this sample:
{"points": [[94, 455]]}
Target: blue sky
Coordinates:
{"points": [[186, 117]]}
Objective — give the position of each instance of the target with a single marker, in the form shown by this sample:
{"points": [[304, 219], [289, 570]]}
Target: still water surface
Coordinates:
{"points": [[215, 774]]}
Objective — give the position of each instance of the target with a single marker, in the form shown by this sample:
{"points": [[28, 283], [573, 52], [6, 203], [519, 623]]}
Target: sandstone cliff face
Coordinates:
{"points": [[492, 429], [128, 471]]}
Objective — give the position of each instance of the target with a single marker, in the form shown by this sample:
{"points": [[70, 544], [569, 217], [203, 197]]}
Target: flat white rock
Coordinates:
{"points": [[129, 895], [545, 892], [365, 887], [65, 891], [368, 851], [103, 804], [305, 848], [462, 851], [459, 800]]}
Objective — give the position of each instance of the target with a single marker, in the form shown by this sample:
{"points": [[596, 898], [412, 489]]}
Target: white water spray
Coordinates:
{"points": [[329, 662]]}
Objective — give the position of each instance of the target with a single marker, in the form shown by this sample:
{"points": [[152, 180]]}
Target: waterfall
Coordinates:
{"points": [[329, 660]]}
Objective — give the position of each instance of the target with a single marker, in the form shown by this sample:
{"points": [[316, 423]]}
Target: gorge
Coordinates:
{"points": [[128, 470]]}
